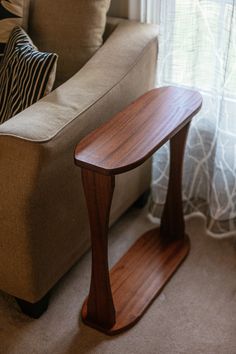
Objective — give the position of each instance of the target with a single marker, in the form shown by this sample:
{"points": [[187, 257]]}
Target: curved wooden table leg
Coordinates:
{"points": [[172, 221], [98, 310]]}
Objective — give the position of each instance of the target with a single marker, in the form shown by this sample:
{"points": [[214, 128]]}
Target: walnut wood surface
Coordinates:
{"points": [[139, 277], [172, 220], [117, 300], [98, 193], [133, 135]]}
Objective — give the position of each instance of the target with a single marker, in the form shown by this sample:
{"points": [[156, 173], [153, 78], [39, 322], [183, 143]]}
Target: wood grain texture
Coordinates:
{"points": [[172, 219], [98, 193], [139, 277], [133, 135], [117, 301]]}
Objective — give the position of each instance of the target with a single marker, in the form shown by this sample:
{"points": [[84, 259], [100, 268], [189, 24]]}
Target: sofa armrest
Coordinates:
{"points": [[42, 202], [130, 46]]}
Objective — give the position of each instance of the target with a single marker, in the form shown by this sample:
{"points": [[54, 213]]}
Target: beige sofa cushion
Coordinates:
{"points": [[12, 13], [73, 29]]}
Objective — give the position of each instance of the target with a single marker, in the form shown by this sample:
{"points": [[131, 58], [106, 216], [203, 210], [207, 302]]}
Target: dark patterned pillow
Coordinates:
{"points": [[12, 13], [26, 75]]}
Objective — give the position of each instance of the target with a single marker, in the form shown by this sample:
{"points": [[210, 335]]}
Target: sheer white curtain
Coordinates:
{"points": [[197, 49]]}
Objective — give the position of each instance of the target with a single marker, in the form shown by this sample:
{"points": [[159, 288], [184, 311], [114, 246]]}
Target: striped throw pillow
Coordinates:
{"points": [[12, 13], [26, 75]]}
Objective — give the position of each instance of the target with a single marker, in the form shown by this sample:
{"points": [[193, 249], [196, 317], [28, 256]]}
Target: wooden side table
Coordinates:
{"points": [[118, 299]]}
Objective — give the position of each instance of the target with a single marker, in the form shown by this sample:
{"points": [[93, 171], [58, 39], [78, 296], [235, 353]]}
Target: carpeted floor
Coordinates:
{"points": [[195, 313]]}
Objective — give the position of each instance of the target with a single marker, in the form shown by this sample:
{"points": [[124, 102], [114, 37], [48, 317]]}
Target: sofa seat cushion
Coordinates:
{"points": [[26, 74], [72, 28], [12, 13]]}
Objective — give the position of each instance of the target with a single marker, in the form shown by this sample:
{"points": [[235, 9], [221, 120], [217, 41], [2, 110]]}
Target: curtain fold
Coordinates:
{"points": [[197, 49]]}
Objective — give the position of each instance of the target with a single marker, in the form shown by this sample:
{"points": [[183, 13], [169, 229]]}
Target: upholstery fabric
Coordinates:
{"points": [[26, 74], [47, 230], [79, 97], [12, 13], [71, 28]]}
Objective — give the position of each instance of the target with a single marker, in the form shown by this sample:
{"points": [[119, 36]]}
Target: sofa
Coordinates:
{"points": [[43, 216]]}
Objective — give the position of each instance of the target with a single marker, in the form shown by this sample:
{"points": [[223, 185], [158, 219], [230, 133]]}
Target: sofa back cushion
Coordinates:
{"points": [[12, 13], [71, 28]]}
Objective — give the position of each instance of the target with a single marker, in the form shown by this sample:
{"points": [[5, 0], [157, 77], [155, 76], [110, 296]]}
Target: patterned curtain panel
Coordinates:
{"points": [[198, 50]]}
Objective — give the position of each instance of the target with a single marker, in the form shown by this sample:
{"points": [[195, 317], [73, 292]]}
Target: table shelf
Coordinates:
{"points": [[139, 276]]}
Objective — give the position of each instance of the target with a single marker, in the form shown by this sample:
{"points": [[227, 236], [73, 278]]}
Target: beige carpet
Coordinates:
{"points": [[196, 312]]}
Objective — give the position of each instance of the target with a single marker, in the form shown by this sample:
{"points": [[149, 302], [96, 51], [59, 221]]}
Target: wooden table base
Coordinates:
{"points": [[117, 299], [139, 276]]}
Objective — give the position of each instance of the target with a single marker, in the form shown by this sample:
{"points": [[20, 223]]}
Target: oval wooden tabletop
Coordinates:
{"points": [[134, 134]]}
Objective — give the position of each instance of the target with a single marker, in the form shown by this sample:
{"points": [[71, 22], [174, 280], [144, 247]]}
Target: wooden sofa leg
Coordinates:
{"points": [[142, 200], [36, 309]]}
